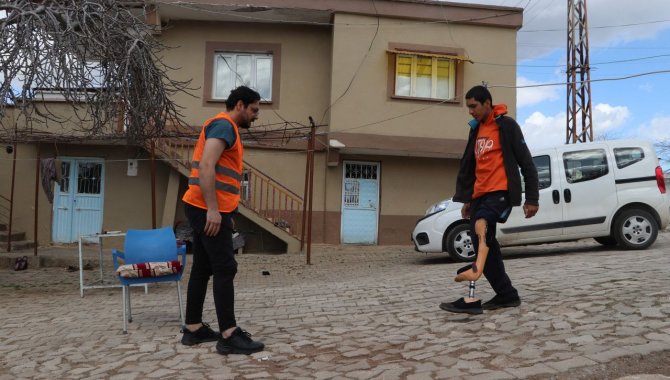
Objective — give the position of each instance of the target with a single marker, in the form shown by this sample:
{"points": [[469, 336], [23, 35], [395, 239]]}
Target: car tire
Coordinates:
{"points": [[635, 229], [459, 243], [607, 241]]}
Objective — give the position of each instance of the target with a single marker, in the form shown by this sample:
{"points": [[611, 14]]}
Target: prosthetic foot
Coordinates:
{"points": [[474, 272], [471, 285]]}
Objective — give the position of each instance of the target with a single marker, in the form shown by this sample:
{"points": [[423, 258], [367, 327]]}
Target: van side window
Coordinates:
{"points": [[585, 165], [542, 163], [627, 156], [543, 166]]}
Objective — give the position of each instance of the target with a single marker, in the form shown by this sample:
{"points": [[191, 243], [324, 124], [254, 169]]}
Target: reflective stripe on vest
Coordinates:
{"points": [[220, 170], [218, 185]]}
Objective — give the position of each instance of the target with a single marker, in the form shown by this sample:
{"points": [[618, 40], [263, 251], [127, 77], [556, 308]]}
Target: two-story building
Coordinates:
{"points": [[383, 80]]}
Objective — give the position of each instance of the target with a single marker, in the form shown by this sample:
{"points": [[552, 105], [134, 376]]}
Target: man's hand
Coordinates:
{"points": [[213, 224], [465, 210], [530, 210]]}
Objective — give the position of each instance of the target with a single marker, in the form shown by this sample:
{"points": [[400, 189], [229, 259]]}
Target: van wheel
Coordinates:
{"points": [[459, 243], [606, 240], [635, 229]]}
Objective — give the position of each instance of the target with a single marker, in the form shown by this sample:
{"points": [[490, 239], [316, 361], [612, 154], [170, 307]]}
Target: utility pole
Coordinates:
{"points": [[578, 75]]}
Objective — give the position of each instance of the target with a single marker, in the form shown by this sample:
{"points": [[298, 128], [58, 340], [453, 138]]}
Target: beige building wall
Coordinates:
{"points": [[367, 101], [408, 184], [305, 68], [127, 199]]}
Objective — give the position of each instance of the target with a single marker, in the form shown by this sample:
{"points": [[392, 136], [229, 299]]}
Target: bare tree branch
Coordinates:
{"points": [[99, 56]]}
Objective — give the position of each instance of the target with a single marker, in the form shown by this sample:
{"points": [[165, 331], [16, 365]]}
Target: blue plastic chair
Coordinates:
{"points": [[142, 246]]}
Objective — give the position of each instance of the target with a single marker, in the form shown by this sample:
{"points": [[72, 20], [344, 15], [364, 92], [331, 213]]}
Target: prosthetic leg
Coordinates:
{"points": [[471, 284], [467, 305], [474, 271], [471, 273]]}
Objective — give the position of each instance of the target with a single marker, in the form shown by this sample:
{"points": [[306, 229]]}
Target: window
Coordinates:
{"points": [[232, 64], [236, 69], [543, 166], [89, 178], [585, 165], [627, 156], [419, 76]]}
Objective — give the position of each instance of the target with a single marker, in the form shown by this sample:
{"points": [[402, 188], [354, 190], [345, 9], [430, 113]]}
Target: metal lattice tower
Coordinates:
{"points": [[578, 75]]}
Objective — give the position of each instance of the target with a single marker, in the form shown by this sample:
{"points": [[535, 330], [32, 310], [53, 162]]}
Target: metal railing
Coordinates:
{"points": [[259, 192], [5, 206], [271, 200], [6, 218]]}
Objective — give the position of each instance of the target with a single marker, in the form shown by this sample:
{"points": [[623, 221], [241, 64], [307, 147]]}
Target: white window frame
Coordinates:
{"points": [[238, 81], [413, 77]]}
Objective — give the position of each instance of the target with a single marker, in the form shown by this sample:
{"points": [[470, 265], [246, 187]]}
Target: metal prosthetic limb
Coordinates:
{"points": [[471, 286]]}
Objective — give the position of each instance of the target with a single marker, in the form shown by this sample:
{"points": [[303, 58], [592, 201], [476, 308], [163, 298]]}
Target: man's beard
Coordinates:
{"points": [[244, 125]]}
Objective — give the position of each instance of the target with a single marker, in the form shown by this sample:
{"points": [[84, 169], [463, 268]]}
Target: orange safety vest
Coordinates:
{"points": [[228, 172]]}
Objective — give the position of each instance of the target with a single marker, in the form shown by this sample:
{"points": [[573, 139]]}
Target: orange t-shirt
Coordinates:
{"points": [[490, 168]]}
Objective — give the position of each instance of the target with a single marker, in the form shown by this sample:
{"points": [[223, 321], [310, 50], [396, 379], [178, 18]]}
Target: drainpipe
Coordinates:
{"points": [[153, 184], [11, 203], [37, 193]]}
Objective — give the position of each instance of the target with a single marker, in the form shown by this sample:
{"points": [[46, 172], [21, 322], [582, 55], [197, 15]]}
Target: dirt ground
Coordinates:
{"points": [[656, 363]]}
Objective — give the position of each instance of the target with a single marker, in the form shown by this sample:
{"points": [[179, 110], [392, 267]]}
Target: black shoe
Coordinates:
{"points": [[201, 335], [460, 306], [498, 302], [239, 342]]}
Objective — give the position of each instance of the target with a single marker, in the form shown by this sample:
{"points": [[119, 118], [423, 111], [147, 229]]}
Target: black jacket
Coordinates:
{"points": [[515, 155]]}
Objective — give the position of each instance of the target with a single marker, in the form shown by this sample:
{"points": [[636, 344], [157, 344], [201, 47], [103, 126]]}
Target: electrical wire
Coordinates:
{"points": [[592, 80], [367, 53]]}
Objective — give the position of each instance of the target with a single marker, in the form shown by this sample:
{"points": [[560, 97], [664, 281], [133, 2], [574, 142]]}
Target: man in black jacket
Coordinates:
{"points": [[489, 185]]}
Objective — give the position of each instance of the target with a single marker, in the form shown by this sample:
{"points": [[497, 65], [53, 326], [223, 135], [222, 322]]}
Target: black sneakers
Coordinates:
{"points": [[201, 335], [498, 302], [239, 342], [460, 306]]}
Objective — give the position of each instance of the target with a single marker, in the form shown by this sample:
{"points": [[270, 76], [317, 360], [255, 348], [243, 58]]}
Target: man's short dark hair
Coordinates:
{"points": [[243, 93], [480, 94]]}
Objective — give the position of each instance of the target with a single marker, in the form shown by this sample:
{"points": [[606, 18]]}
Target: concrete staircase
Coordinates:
{"points": [[18, 243], [264, 201]]}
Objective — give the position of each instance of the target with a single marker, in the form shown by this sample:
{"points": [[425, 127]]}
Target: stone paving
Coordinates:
{"points": [[355, 313]]}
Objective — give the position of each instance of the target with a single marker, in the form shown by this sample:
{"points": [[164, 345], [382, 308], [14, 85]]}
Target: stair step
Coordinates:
{"points": [[16, 236], [18, 245]]}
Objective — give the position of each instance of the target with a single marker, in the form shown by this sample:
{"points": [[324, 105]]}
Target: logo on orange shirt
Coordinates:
{"points": [[483, 145]]}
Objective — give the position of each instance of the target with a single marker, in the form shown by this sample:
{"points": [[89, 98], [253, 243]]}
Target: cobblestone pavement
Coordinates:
{"points": [[355, 313]]}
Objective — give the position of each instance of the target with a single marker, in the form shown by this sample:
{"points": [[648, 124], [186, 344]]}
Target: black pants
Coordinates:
{"points": [[493, 207], [212, 256]]}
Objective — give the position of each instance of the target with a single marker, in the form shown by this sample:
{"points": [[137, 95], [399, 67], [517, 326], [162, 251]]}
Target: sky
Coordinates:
{"points": [[626, 38]]}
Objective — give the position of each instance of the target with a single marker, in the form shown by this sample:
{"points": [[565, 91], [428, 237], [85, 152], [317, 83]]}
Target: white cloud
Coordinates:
{"points": [[607, 118], [542, 131], [646, 87], [658, 129], [530, 96]]}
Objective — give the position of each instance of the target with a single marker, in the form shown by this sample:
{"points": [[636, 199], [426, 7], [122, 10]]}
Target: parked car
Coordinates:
{"points": [[612, 191]]}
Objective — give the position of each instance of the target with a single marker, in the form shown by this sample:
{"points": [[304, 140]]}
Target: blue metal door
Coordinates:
{"points": [[78, 199], [360, 200]]}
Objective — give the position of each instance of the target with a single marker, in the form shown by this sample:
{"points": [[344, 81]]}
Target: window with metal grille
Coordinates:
{"points": [[361, 171], [88, 180]]}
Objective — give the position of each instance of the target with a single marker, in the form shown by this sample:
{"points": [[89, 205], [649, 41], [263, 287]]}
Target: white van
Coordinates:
{"points": [[613, 191]]}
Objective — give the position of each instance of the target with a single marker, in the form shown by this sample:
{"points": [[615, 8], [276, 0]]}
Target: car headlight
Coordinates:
{"points": [[437, 207]]}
